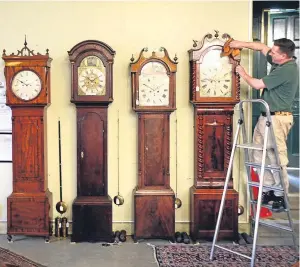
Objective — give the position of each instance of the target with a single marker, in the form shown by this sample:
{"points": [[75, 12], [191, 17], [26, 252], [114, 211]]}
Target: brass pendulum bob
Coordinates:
{"points": [[240, 210], [178, 203], [118, 199]]}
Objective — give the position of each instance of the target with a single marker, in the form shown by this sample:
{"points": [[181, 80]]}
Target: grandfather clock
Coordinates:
{"points": [[214, 91], [92, 92], [28, 94], [153, 81]]}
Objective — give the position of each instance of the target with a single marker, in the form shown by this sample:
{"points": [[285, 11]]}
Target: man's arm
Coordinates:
{"points": [[250, 45], [257, 84]]}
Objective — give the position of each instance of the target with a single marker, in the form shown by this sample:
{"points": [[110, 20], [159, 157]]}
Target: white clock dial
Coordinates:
{"points": [[215, 76], [26, 85], [91, 77], [154, 85]]}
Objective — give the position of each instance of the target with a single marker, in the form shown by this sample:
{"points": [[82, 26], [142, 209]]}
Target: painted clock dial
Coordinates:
{"points": [[154, 85]]}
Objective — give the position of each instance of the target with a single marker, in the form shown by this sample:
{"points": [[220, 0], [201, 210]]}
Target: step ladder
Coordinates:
{"points": [[255, 205]]}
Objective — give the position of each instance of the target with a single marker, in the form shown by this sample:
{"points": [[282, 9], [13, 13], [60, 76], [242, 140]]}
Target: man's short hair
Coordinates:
{"points": [[286, 46]]}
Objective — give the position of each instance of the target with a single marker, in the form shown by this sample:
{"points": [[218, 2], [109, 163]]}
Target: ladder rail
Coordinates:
{"points": [[279, 186], [224, 191]]}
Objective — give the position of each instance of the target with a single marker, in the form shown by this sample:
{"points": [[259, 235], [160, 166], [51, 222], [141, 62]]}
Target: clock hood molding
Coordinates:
{"points": [[200, 47]]}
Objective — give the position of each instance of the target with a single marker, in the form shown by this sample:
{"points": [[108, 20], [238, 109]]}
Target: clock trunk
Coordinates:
{"points": [[92, 199], [29, 205], [153, 197]]}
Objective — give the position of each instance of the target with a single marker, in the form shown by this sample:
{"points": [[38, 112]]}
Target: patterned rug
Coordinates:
{"points": [[11, 259], [198, 256]]}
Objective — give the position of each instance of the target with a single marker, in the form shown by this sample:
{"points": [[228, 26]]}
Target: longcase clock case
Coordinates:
{"points": [[154, 207], [213, 117], [92, 208], [29, 207]]}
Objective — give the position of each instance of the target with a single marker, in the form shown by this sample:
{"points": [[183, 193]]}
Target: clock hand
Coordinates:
{"points": [[149, 87], [22, 82]]}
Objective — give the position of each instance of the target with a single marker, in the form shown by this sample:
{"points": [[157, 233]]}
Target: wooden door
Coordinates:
{"points": [[286, 25], [91, 153], [28, 151], [154, 151], [277, 25]]}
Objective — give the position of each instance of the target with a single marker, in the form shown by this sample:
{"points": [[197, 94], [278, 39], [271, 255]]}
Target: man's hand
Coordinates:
{"points": [[240, 70], [236, 44]]}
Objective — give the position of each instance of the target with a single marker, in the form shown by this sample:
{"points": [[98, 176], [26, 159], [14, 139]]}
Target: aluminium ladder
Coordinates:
{"points": [[269, 133]]}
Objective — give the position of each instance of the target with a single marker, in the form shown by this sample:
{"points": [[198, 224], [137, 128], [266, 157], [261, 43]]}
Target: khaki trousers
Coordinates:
{"points": [[281, 127]]}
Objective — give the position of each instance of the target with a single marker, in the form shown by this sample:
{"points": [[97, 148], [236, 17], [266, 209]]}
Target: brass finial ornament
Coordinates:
{"points": [[118, 199]]}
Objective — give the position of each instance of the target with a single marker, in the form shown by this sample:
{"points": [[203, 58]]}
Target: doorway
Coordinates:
{"points": [[273, 20]]}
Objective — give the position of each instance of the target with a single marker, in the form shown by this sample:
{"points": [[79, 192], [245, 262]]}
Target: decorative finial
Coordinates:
{"points": [[216, 33], [47, 51], [4, 54], [195, 43], [25, 43], [132, 58], [175, 58]]}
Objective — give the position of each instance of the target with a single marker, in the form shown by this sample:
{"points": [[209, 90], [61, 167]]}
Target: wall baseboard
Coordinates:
{"points": [[128, 226]]}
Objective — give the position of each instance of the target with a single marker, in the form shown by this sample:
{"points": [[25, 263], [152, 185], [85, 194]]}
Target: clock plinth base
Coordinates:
{"points": [[29, 214], [204, 208], [154, 212], [92, 219]]}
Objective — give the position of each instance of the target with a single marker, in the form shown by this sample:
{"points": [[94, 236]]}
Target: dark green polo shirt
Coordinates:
{"points": [[282, 84]]}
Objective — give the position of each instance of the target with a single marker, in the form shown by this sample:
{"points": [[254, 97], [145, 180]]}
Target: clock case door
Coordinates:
{"points": [[196, 56], [29, 207], [213, 117], [106, 55], [92, 208]]}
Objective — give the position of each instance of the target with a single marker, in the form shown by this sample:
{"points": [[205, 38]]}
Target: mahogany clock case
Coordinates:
{"points": [[29, 207], [92, 208], [153, 81], [213, 117]]}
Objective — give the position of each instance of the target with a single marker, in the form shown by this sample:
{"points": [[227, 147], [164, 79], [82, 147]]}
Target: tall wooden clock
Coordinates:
{"points": [[214, 91], [92, 92], [153, 81], [28, 94]]}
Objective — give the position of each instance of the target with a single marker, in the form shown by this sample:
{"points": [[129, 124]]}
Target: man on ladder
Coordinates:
{"points": [[279, 91], [270, 135]]}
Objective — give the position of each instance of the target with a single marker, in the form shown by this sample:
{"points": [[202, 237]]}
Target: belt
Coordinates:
{"points": [[281, 113]]}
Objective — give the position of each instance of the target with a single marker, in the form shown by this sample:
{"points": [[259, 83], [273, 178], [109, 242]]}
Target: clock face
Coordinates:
{"points": [[154, 85], [215, 75], [91, 76], [26, 85]]}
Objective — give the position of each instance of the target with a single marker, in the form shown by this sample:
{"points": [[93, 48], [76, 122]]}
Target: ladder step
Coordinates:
{"points": [[275, 225], [265, 205], [276, 188], [250, 146], [258, 165]]}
